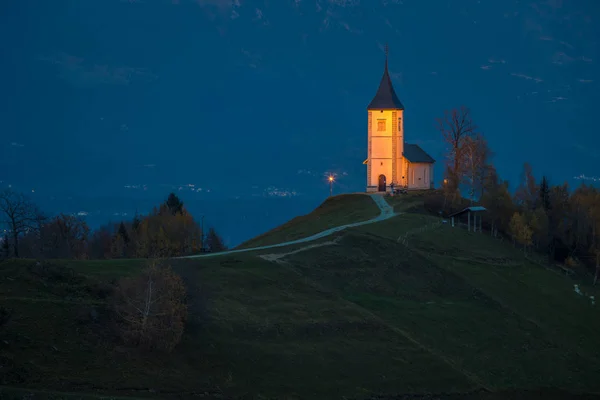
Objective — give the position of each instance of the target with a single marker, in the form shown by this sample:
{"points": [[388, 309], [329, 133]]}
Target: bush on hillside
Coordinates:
{"points": [[54, 273], [151, 308], [4, 316], [571, 262], [437, 200]]}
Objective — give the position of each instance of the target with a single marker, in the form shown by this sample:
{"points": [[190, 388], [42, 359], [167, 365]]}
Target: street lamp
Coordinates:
{"points": [[330, 185]]}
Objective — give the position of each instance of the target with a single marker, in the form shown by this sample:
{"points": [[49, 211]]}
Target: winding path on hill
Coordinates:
{"points": [[387, 212]]}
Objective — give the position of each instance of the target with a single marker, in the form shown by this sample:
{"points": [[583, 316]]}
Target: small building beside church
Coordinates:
{"points": [[390, 160]]}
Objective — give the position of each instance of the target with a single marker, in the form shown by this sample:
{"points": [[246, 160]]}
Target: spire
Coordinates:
{"points": [[386, 97], [387, 52]]}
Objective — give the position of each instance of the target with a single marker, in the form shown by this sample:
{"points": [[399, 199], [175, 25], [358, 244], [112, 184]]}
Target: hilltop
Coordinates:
{"points": [[335, 211], [399, 308]]}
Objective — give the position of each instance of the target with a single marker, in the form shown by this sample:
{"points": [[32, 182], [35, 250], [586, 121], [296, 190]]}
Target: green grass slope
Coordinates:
{"points": [[441, 311], [505, 325], [335, 211]]}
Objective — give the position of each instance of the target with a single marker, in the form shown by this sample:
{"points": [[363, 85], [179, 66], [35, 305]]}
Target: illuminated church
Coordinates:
{"points": [[391, 160]]}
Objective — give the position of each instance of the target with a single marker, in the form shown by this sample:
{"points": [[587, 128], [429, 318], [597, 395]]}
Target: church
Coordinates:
{"points": [[391, 160]]}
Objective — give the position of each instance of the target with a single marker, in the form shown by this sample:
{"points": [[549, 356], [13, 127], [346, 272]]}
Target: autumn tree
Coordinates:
{"points": [[559, 223], [595, 234], [450, 192], [544, 194], [580, 232], [475, 163], [456, 126], [136, 222], [497, 200], [152, 308], [583, 233], [214, 241], [174, 204], [19, 215], [118, 247], [123, 232], [166, 234], [120, 242], [65, 236], [100, 243], [152, 240], [520, 230], [538, 221], [527, 192]]}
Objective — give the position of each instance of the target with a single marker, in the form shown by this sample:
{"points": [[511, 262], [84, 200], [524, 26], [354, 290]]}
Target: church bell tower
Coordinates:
{"points": [[385, 127]]}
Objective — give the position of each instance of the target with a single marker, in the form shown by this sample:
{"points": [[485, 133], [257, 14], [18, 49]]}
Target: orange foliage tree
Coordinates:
{"points": [[168, 233], [520, 230]]}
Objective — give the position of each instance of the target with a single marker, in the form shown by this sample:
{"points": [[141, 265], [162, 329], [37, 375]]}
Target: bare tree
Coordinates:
{"points": [[527, 193], [152, 307], [19, 215], [214, 241], [496, 198], [456, 125], [475, 160], [65, 236]]}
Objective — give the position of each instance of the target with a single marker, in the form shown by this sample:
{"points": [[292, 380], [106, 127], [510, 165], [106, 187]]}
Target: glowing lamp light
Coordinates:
{"points": [[330, 179]]}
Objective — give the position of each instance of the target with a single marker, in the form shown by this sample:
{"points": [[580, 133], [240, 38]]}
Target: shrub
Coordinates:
{"points": [[4, 316], [101, 290], [55, 274], [151, 308], [85, 314], [571, 262], [435, 201]]}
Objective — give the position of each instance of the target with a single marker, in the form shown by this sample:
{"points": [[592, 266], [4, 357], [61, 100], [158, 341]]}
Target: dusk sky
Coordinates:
{"points": [[224, 99]]}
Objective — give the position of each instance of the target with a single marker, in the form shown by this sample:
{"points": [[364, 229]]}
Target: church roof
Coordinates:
{"points": [[386, 98], [415, 154]]}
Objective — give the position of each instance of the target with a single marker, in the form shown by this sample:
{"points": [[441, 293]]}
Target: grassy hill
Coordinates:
{"points": [[399, 308], [335, 211]]}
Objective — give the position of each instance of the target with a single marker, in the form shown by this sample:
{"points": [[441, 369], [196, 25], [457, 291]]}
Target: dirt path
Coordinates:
{"points": [[275, 257], [387, 212]]}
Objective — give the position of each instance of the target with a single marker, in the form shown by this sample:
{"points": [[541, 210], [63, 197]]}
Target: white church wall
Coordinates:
{"points": [[381, 157], [381, 167], [420, 175]]}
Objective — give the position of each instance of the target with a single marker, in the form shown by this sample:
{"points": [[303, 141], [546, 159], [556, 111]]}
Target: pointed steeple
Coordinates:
{"points": [[386, 98], [387, 53]]}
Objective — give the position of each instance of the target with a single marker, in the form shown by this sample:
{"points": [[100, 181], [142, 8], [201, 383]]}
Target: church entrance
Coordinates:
{"points": [[381, 185]]}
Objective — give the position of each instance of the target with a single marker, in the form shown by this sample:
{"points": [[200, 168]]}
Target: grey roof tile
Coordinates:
{"points": [[415, 154]]}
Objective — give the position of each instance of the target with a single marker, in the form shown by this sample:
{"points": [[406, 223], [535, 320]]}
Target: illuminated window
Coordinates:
{"points": [[381, 125]]}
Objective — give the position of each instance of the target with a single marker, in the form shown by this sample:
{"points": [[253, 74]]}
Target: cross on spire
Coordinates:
{"points": [[385, 98]]}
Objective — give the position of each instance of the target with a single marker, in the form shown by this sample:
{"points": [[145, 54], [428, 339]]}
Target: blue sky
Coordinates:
{"points": [[263, 98]]}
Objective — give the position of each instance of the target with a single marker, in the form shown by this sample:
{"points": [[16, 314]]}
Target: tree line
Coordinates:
{"points": [[169, 230], [550, 219]]}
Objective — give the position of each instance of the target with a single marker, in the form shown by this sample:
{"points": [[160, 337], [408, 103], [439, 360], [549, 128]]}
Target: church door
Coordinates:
{"points": [[381, 186]]}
